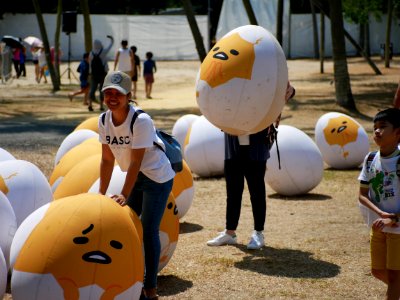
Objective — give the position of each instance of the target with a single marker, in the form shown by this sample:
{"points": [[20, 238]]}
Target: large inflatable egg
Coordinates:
{"points": [[5, 155], [8, 226], [183, 190], [73, 139], [116, 182], [91, 124], [242, 82], [205, 149], [25, 186], [181, 128], [3, 275], [77, 154], [79, 247], [169, 232], [80, 178], [342, 141], [301, 163]]}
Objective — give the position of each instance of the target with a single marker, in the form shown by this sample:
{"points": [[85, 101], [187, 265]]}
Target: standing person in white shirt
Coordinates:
{"points": [[124, 59], [149, 175]]}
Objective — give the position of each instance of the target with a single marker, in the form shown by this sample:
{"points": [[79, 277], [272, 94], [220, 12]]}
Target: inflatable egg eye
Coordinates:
{"points": [[241, 84], [342, 141]]}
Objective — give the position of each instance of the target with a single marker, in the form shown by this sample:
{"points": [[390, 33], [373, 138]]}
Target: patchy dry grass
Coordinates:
{"points": [[317, 244]]}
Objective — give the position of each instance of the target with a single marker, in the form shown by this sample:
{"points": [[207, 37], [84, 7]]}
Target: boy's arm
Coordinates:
{"points": [[155, 67], [396, 101]]}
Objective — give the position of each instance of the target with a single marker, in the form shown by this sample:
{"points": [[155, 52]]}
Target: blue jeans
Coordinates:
{"points": [[148, 199]]}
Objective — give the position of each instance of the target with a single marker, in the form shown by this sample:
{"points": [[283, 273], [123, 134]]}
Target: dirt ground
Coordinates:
{"points": [[317, 245]]}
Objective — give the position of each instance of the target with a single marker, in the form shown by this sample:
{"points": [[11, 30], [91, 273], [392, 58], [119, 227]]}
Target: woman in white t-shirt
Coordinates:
{"points": [[149, 176]]}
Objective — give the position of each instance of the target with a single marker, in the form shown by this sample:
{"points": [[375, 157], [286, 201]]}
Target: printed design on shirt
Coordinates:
{"points": [[232, 57], [341, 131], [117, 140], [382, 185]]}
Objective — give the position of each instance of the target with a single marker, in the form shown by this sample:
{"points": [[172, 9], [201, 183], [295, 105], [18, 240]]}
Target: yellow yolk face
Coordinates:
{"points": [[84, 240], [341, 131], [170, 221], [232, 57]]}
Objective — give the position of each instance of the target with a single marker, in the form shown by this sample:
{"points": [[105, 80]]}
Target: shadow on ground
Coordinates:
{"points": [[286, 262]]}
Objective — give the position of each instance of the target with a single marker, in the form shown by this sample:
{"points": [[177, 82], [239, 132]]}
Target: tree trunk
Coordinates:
{"points": [[87, 25], [43, 32], [250, 12], [315, 29], [322, 43], [195, 29], [57, 41], [279, 22], [344, 96], [388, 30]]}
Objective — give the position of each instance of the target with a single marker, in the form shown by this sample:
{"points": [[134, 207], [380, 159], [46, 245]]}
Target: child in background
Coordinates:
{"points": [[149, 68], [380, 192], [42, 65], [136, 71], [83, 69]]}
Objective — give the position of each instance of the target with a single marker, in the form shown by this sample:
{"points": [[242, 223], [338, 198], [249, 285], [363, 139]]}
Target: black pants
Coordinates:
{"points": [[236, 170]]}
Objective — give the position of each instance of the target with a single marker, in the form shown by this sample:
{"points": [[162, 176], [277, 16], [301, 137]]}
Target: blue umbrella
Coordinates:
{"points": [[12, 41]]}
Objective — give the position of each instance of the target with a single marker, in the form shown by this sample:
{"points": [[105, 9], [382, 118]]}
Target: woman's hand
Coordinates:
{"points": [[120, 199], [381, 223]]}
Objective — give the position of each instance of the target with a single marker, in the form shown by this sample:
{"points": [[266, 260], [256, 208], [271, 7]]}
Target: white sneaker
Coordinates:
{"points": [[223, 239], [256, 241]]}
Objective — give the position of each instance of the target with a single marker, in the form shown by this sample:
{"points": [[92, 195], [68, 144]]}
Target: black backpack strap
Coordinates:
{"points": [[369, 160], [135, 115], [277, 148], [398, 168], [103, 118]]}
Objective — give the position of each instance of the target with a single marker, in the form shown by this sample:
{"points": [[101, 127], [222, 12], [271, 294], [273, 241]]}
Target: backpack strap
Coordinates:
{"points": [[135, 115], [369, 160], [103, 118]]}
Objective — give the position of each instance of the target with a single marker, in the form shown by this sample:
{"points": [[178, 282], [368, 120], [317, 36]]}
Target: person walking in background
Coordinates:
{"points": [[149, 68], [136, 71], [396, 100], [42, 64], [149, 177], [380, 192], [22, 59], [35, 60], [16, 60], [124, 59], [83, 70], [98, 70], [245, 158]]}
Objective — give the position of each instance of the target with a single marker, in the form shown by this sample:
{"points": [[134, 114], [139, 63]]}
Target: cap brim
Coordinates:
{"points": [[116, 87]]}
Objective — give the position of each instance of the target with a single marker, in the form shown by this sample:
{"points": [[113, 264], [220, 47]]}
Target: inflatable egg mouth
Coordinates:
{"points": [[221, 56], [98, 257]]}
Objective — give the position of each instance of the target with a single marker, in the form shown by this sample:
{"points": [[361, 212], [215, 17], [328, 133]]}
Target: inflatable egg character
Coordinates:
{"points": [[73, 139], [183, 190], [8, 226], [342, 141], [205, 149], [169, 232], [116, 182], [181, 128], [25, 186], [301, 163], [91, 124], [77, 154], [5, 155], [80, 178], [242, 82], [3, 275], [91, 251]]}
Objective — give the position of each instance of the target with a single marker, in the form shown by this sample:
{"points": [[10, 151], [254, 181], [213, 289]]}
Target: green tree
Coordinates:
{"points": [[87, 25]]}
